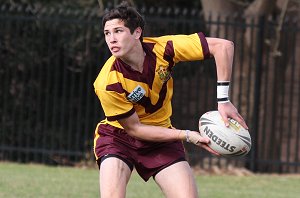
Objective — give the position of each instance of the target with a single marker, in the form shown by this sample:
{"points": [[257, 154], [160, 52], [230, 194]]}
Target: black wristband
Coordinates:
{"points": [[223, 83], [222, 99]]}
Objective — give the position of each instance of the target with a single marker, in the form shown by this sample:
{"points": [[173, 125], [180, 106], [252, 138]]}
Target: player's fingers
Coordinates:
{"points": [[241, 121], [203, 140], [196, 138], [206, 147], [225, 119]]}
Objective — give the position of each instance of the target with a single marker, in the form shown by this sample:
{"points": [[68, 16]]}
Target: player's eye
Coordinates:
{"points": [[106, 33], [119, 30]]}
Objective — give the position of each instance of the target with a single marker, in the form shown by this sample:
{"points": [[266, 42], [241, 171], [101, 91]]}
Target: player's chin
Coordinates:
{"points": [[117, 54]]}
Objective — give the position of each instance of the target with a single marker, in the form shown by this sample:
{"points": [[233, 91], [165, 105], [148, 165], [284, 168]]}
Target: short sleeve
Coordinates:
{"points": [[190, 47], [115, 105]]}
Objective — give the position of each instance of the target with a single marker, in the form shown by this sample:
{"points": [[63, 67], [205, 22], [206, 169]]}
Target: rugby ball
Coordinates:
{"points": [[234, 140]]}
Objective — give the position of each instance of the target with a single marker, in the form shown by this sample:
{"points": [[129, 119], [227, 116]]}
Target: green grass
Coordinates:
{"points": [[19, 180]]}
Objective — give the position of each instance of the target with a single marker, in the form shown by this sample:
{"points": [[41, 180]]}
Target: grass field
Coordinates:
{"points": [[19, 180]]}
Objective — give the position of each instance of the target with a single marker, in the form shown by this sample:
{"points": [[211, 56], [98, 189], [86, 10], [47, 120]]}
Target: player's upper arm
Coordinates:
{"points": [[218, 44]]}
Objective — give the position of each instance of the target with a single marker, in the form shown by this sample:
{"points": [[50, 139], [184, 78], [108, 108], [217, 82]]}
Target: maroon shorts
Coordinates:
{"points": [[148, 158]]}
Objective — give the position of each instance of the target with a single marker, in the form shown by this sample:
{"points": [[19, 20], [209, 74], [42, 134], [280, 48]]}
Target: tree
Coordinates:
{"points": [[279, 63]]}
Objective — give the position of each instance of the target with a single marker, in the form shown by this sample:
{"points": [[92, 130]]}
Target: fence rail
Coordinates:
{"points": [[50, 57]]}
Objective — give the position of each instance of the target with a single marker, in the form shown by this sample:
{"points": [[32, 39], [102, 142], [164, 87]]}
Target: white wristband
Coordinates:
{"points": [[222, 91], [187, 135]]}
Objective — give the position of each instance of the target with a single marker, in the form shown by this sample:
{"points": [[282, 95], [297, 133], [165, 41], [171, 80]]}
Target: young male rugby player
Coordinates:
{"points": [[135, 88]]}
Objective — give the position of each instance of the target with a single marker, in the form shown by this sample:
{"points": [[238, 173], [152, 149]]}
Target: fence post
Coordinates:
{"points": [[257, 90]]}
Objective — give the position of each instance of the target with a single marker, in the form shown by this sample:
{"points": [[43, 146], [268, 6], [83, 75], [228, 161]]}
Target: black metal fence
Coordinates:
{"points": [[50, 57]]}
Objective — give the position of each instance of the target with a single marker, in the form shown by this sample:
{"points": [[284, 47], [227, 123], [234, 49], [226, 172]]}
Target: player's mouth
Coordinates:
{"points": [[115, 49]]}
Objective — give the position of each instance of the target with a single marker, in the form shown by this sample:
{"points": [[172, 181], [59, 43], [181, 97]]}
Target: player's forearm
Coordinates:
{"points": [[223, 51], [155, 133], [135, 128]]}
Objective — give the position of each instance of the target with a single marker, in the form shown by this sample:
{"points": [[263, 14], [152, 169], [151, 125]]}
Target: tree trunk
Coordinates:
{"points": [[213, 9], [278, 64]]}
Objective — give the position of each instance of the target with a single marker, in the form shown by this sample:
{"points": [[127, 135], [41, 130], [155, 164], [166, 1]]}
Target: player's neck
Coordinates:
{"points": [[135, 59]]}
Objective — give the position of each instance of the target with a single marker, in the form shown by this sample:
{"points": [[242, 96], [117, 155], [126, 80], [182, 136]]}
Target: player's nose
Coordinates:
{"points": [[112, 38]]}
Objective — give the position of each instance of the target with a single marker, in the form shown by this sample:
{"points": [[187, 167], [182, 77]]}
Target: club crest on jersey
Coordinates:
{"points": [[163, 73], [136, 94]]}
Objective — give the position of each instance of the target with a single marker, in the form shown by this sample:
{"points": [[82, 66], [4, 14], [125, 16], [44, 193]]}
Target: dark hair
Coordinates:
{"points": [[132, 19]]}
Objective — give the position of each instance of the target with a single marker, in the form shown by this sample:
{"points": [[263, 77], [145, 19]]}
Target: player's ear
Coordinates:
{"points": [[138, 32]]}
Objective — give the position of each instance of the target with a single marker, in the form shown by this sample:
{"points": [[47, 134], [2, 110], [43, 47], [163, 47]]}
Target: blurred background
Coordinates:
{"points": [[52, 51]]}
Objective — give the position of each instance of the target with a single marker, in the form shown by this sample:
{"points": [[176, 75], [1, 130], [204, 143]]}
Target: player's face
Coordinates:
{"points": [[118, 38]]}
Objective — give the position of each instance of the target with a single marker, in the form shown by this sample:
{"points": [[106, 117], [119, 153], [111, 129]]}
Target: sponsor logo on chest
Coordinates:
{"points": [[136, 94]]}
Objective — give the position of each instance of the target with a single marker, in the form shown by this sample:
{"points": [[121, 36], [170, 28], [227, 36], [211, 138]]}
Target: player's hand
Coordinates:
{"points": [[227, 110], [195, 138]]}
